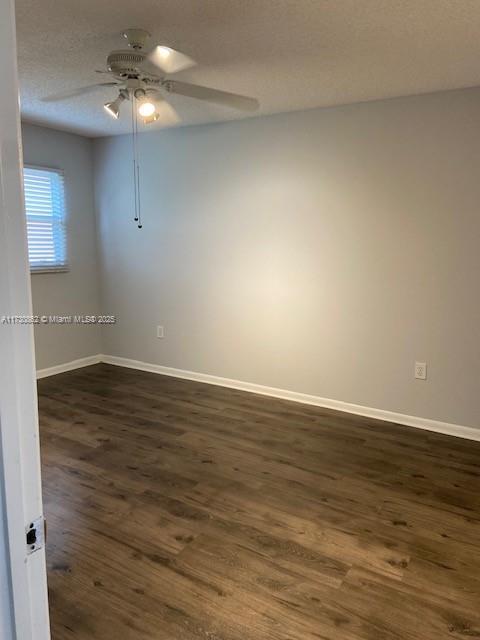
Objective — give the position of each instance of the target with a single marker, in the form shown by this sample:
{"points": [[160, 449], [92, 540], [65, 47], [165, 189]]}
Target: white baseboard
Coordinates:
{"points": [[469, 433], [447, 428], [69, 366]]}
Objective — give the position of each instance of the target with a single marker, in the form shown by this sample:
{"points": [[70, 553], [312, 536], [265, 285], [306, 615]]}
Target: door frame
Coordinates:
{"points": [[20, 449]]}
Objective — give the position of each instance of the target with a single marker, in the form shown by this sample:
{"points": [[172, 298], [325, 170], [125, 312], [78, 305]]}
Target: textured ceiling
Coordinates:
{"points": [[290, 54]]}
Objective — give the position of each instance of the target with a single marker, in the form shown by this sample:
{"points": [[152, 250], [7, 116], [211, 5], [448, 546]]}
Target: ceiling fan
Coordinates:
{"points": [[131, 70]]}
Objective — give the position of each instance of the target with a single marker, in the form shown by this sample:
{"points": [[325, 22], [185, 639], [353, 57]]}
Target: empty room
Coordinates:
{"points": [[240, 320]]}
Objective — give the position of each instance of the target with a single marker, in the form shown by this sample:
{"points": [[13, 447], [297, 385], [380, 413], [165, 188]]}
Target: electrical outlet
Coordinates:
{"points": [[421, 370], [160, 332]]}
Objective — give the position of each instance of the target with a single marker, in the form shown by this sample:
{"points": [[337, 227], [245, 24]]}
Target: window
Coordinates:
{"points": [[45, 210]]}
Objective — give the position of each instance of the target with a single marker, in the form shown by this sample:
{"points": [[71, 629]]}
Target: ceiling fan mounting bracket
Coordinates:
{"points": [[136, 38]]}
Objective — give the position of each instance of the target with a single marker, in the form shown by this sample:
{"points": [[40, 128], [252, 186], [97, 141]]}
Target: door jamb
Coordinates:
{"points": [[19, 449]]}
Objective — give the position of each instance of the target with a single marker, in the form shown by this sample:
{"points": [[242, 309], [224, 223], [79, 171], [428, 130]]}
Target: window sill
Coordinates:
{"points": [[49, 270]]}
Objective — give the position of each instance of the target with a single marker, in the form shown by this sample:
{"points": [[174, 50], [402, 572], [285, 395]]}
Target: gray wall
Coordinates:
{"points": [[77, 291], [322, 252]]}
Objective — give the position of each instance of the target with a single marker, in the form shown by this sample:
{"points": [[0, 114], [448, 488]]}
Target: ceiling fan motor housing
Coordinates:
{"points": [[125, 62], [136, 38]]}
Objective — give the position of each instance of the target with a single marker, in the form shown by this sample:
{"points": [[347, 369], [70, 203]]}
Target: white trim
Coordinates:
{"points": [[469, 433], [34, 270], [68, 366], [40, 167], [20, 481], [447, 428]]}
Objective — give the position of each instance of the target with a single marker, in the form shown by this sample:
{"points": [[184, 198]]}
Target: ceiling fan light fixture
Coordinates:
{"points": [[146, 109], [113, 108], [153, 118]]}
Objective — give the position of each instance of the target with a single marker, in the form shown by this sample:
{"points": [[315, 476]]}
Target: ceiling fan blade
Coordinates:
{"points": [[169, 60], [167, 114], [64, 95], [244, 103]]}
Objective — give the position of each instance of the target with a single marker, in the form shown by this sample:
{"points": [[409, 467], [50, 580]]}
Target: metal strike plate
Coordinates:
{"points": [[35, 535]]}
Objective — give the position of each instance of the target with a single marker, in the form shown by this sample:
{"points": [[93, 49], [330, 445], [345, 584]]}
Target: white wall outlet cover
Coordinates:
{"points": [[160, 332], [421, 370]]}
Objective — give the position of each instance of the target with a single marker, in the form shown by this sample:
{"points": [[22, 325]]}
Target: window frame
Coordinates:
{"points": [[45, 269]]}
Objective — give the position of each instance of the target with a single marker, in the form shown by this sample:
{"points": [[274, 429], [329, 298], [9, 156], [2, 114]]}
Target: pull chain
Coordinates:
{"points": [[134, 156], [139, 210], [136, 164]]}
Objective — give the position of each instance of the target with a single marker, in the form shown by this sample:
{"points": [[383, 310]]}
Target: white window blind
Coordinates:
{"points": [[45, 210]]}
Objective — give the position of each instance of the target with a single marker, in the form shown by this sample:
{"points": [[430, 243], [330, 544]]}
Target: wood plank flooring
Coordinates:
{"points": [[178, 510]]}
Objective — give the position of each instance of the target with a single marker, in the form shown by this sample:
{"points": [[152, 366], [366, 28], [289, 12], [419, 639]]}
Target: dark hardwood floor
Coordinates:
{"points": [[179, 510]]}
